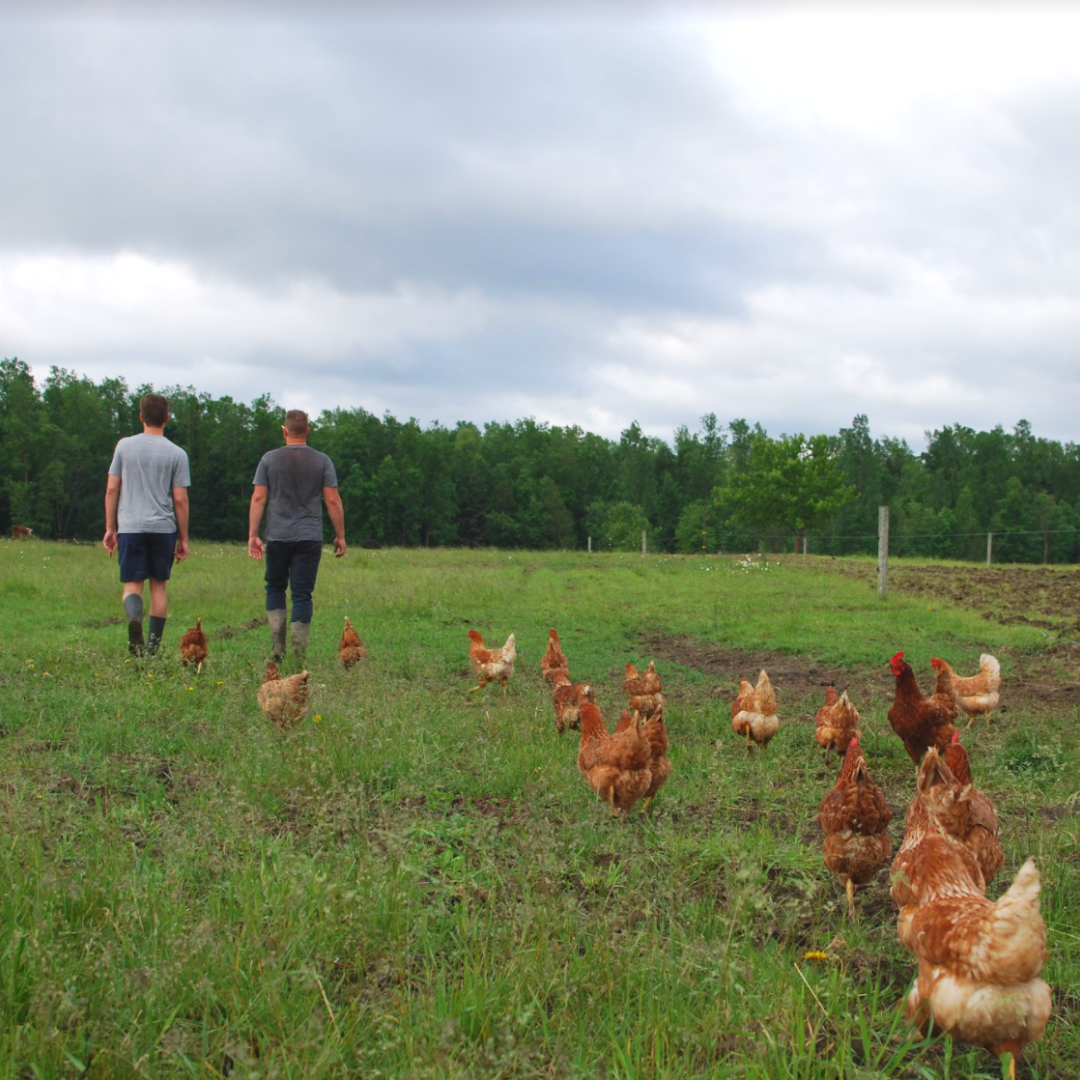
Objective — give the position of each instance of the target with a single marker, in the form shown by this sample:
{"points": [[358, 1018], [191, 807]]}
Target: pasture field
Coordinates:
{"points": [[418, 884]]}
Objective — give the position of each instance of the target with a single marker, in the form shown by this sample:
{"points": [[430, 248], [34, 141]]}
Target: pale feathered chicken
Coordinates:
{"points": [[492, 665], [980, 962], [285, 701], [836, 722], [978, 695], [753, 712]]}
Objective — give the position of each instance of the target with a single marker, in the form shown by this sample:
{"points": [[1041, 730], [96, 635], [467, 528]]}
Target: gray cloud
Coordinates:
{"points": [[586, 219]]}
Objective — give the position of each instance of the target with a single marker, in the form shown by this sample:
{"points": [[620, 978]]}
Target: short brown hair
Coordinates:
{"points": [[154, 410], [296, 422]]}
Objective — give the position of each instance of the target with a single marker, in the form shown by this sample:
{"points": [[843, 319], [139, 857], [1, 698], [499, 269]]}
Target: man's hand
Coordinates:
{"points": [[339, 546], [180, 551], [255, 547], [108, 541]]}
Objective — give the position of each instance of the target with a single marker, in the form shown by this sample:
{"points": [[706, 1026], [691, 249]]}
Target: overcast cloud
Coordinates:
{"points": [[790, 215]]}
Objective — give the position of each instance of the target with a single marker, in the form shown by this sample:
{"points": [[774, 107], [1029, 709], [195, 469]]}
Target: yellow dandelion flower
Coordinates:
{"points": [[318, 718], [815, 955]]}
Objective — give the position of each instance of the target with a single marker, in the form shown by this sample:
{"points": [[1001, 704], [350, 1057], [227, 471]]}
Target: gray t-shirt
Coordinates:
{"points": [[149, 467], [295, 477]]}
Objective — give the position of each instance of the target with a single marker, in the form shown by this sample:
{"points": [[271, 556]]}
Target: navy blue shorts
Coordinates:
{"points": [[146, 555]]}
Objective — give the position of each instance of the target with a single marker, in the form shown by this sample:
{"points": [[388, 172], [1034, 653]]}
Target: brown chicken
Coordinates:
{"points": [[659, 763], [966, 813], [350, 648], [194, 648], [921, 722], [753, 712], [616, 766], [836, 722], [855, 819], [285, 701], [492, 665], [933, 773], [553, 663], [980, 962], [567, 698], [952, 805], [645, 694], [977, 695]]}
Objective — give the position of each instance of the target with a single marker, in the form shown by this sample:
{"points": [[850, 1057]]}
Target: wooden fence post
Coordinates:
{"points": [[989, 547], [643, 545], [882, 551]]}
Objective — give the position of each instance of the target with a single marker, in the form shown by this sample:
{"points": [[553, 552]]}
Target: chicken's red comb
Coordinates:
{"points": [[956, 738], [898, 656], [854, 742]]}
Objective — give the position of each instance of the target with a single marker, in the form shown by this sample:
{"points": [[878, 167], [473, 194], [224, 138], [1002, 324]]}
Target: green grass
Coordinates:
{"points": [[418, 883]]}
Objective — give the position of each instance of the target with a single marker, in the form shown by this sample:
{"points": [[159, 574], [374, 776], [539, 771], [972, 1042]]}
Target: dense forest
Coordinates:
{"points": [[525, 484]]}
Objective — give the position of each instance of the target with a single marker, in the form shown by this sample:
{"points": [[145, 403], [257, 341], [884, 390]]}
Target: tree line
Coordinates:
{"points": [[530, 485]]}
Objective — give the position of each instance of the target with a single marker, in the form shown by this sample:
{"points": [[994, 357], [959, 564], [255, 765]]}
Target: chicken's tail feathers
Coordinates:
{"points": [[1018, 926], [1026, 885]]}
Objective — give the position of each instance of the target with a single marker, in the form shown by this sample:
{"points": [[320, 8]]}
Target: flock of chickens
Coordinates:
{"points": [[285, 701], [979, 961], [624, 766]]}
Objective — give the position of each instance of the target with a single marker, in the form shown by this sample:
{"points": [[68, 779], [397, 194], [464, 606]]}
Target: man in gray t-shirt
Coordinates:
{"points": [[291, 485], [146, 518]]}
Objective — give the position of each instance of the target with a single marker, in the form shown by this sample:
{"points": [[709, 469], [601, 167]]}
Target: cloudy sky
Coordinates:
{"points": [[589, 215]]}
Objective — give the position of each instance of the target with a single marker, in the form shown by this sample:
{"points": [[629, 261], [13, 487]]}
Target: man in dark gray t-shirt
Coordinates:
{"points": [[291, 484]]}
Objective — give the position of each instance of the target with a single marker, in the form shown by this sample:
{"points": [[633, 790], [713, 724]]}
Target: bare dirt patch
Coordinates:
{"points": [[1043, 597]]}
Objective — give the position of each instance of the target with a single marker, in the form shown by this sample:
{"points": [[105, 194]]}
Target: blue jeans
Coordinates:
{"points": [[293, 564]]}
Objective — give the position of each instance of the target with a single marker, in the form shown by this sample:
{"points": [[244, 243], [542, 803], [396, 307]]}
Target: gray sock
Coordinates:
{"points": [[133, 606]]}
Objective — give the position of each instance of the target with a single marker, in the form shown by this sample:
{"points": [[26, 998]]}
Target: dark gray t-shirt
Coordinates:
{"points": [[295, 477], [149, 467]]}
